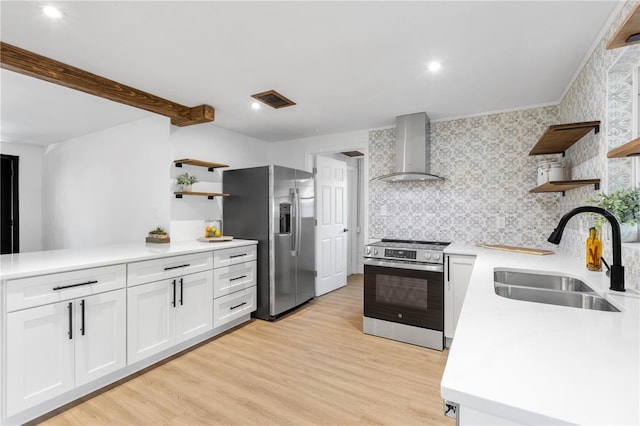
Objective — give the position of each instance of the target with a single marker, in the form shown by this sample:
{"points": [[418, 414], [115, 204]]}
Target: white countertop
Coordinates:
{"points": [[543, 364], [46, 262]]}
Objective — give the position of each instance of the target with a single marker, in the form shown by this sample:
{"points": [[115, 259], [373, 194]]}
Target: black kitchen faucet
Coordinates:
{"points": [[616, 270]]}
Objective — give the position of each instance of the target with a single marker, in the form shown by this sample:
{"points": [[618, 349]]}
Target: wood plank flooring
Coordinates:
{"points": [[314, 366]]}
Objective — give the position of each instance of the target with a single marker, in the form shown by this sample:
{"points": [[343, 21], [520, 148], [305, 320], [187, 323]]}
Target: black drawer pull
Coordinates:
{"points": [[176, 267], [237, 306], [237, 255], [238, 278], [62, 287]]}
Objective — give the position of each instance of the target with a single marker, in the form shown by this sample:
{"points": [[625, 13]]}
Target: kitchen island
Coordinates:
{"points": [[519, 362]]}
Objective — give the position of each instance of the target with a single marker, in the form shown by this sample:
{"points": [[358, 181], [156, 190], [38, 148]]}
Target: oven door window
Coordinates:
{"points": [[402, 291]]}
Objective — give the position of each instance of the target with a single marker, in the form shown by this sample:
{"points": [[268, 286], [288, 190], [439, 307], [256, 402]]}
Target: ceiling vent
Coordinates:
{"points": [[273, 99]]}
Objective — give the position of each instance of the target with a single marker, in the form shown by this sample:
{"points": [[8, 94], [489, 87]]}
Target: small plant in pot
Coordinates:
{"points": [[158, 235], [624, 204], [185, 181]]}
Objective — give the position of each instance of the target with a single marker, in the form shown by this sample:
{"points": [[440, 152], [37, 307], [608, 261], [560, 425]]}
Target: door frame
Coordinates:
{"points": [[14, 199]]}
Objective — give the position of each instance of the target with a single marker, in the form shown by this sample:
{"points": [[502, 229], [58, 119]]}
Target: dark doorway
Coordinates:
{"points": [[9, 229]]}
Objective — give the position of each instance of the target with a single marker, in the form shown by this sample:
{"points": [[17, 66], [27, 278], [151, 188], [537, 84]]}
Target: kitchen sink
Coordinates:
{"points": [[550, 289], [550, 282], [555, 297]]}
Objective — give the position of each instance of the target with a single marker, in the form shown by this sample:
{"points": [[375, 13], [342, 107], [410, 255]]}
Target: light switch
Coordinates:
{"points": [[383, 210]]}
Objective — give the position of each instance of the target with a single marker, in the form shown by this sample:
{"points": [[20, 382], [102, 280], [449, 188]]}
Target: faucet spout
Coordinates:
{"points": [[617, 270]]}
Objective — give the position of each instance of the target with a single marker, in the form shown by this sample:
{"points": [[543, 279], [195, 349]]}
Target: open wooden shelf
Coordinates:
{"points": [[566, 185], [629, 149], [629, 31], [209, 195], [559, 137], [210, 166]]}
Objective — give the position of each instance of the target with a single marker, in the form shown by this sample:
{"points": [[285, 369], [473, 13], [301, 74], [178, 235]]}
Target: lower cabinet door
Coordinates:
{"points": [[101, 335], [40, 355], [227, 308], [151, 318], [194, 310]]}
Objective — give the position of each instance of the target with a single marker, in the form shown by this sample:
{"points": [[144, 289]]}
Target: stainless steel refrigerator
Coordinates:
{"points": [[275, 205]]}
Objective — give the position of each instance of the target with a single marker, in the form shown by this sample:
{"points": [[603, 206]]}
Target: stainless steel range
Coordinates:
{"points": [[404, 291]]}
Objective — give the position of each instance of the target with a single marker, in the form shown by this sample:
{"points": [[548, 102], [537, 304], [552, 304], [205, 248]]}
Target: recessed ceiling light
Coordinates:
{"points": [[434, 66], [255, 105], [52, 12]]}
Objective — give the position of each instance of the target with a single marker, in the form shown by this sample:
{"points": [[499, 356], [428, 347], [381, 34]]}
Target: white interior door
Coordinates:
{"points": [[331, 232]]}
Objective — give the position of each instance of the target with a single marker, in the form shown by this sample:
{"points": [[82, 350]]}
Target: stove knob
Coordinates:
{"points": [[368, 250], [436, 256], [427, 255], [375, 252]]}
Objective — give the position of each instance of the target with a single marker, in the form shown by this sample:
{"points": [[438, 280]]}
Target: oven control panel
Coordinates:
{"points": [[400, 254]]}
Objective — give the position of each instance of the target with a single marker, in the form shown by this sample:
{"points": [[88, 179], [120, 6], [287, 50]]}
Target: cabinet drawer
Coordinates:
{"points": [[227, 308], [167, 267], [34, 291], [230, 279], [234, 256]]}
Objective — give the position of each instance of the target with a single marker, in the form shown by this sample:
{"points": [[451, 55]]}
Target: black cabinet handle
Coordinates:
{"points": [[62, 287], [237, 306], [237, 255], [448, 269], [173, 302], [181, 290], [238, 278], [70, 308], [177, 267], [82, 317]]}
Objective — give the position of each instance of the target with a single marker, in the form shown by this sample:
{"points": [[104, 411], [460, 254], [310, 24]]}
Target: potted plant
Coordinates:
{"points": [[624, 204], [158, 235], [185, 181]]}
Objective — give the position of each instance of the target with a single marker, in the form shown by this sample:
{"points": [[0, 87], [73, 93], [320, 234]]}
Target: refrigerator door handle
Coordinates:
{"points": [[294, 221], [298, 223]]}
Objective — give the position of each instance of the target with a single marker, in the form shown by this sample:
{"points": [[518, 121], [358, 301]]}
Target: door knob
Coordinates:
{"points": [[345, 230]]}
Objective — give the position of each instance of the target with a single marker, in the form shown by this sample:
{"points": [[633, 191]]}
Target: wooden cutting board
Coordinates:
{"points": [[215, 239], [526, 250]]}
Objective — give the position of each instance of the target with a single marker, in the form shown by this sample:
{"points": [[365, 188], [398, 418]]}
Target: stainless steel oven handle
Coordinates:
{"points": [[404, 265]]}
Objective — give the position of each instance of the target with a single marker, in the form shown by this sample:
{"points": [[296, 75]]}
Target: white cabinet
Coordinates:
{"points": [[164, 313], [228, 308], [53, 348], [234, 284], [457, 273], [167, 267]]}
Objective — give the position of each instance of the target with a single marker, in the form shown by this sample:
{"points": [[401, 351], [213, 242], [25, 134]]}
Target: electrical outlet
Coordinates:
{"points": [[501, 222]]}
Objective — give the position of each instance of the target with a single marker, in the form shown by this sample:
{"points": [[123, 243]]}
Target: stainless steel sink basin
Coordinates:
{"points": [[550, 289], [554, 297], [550, 282]]}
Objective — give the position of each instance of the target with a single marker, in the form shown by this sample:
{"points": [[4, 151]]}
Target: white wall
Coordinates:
{"points": [[207, 142], [30, 193], [107, 187]]}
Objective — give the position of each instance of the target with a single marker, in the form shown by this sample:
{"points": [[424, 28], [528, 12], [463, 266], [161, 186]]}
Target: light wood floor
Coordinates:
{"points": [[314, 366]]}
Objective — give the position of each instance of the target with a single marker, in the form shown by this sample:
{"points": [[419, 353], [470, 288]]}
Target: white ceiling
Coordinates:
{"points": [[347, 65]]}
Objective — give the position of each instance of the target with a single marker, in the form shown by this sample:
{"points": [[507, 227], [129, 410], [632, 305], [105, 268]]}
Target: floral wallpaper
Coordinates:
{"points": [[489, 173]]}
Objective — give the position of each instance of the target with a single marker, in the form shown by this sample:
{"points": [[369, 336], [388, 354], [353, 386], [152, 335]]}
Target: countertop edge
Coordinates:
{"points": [[56, 261]]}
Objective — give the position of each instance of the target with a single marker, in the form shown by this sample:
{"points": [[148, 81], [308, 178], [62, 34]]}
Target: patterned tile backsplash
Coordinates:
{"points": [[488, 176]]}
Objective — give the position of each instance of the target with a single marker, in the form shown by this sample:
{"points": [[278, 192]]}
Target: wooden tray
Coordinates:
{"points": [[526, 250], [215, 239]]}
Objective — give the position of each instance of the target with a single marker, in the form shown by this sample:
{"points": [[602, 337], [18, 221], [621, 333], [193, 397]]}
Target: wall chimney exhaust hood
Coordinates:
{"points": [[413, 150]]}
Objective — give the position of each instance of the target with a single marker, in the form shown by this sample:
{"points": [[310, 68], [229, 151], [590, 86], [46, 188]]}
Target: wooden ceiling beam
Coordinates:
{"points": [[28, 63]]}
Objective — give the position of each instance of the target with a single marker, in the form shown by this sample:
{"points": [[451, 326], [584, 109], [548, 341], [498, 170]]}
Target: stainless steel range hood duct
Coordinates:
{"points": [[413, 150]]}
